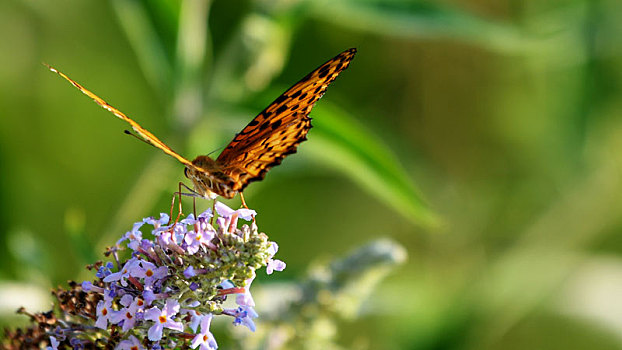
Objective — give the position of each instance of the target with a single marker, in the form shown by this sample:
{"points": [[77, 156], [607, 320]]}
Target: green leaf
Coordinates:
{"points": [[340, 141]]}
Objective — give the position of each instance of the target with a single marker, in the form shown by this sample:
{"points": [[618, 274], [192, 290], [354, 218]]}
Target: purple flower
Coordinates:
{"points": [[131, 343], [206, 215], [149, 296], [104, 270], [246, 299], [244, 315], [128, 314], [150, 272], [195, 318], [196, 240], [189, 272], [274, 264], [87, 285], [129, 269], [158, 231], [163, 318], [227, 284], [134, 236], [228, 217], [172, 238], [205, 339], [104, 313], [224, 211], [146, 245], [53, 344], [202, 218], [76, 343], [111, 293], [59, 333], [133, 233], [193, 303], [223, 223], [164, 219], [189, 220]]}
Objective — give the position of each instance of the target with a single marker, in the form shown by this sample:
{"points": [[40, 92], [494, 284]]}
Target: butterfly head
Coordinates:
{"points": [[208, 178]]}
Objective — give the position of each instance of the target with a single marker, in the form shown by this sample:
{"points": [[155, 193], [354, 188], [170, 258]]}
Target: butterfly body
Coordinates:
{"points": [[210, 181], [272, 135]]}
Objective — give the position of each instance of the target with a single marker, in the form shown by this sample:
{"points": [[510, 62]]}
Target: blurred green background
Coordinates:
{"points": [[484, 135]]}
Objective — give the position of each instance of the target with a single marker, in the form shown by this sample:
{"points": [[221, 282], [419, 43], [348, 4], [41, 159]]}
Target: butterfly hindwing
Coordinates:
{"points": [[278, 130]]}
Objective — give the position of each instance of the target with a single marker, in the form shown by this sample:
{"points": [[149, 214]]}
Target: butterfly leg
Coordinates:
{"points": [[243, 201], [180, 193], [211, 221], [172, 206], [244, 204]]}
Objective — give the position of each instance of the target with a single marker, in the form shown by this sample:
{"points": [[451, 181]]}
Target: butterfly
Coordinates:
{"points": [[272, 135]]}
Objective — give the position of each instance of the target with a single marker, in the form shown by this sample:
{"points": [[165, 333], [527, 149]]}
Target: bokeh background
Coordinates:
{"points": [[485, 136]]}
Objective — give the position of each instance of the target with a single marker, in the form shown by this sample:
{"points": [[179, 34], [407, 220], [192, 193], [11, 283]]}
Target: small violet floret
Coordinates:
{"points": [[129, 269], [274, 264], [205, 339], [244, 315], [53, 344], [150, 272], [164, 318], [131, 343], [104, 313]]}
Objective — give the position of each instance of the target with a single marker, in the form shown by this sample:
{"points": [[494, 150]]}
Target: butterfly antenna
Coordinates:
{"points": [[137, 137], [216, 150]]}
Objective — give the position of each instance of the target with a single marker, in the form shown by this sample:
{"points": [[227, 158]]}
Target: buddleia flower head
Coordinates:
{"points": [[165, 284]]}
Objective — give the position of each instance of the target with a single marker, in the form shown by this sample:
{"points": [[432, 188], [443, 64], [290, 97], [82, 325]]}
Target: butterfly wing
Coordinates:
{"points": [[146, 135], [280, 128]]}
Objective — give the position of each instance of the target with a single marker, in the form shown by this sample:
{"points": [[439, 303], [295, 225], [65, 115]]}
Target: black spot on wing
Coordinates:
{"points": [[323, 72], [276, 124], [279, 99], [281, 109]]}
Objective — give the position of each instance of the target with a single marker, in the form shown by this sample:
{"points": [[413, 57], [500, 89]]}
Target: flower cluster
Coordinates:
{"points": [[165, 294]]}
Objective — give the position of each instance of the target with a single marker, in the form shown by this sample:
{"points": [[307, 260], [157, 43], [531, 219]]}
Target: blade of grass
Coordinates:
{"points": [[192, 51], [147, 46]]}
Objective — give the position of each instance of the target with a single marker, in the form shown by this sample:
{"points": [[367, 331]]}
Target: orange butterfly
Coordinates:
{"points": [[263, 143]]}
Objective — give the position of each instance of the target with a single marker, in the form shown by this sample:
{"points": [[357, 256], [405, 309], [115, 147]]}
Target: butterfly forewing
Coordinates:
{"points": [[280, 128]]}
